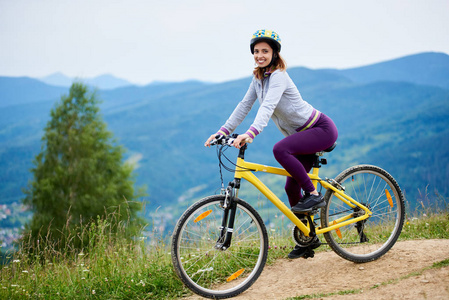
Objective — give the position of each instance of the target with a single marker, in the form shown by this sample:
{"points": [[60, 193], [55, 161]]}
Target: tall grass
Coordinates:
{"points": [[430, 220], [109, 267]]}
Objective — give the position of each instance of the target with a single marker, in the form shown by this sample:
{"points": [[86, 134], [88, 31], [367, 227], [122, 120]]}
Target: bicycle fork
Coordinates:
{"points": [[227, 224]]}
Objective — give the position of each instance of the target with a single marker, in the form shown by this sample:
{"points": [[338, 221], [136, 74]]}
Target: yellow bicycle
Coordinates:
{"points": [[220, 243]]}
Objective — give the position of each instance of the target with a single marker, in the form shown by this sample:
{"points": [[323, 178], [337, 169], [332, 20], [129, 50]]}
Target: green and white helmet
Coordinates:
{"points": [[269, 36]]}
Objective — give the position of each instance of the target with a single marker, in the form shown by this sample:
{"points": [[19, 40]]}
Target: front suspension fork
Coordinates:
{"points": [[227, 223]]}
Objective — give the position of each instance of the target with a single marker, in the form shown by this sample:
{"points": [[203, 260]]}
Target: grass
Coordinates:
{"points": [[429, 221], [116, 268], [110, 268]]}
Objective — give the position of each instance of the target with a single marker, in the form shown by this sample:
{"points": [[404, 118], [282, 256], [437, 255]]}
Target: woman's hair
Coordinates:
{"points": [[277, 63]]}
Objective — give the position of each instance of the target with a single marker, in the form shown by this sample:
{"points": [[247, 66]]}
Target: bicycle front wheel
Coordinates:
{"points": [[371, 238], [211, 272]]}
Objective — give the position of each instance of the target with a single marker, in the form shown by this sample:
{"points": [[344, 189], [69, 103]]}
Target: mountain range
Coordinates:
{"points": [[103, 82], [393, 114]]}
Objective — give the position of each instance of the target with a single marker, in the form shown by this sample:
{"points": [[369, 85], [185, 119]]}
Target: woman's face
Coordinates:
{"points": [[263, 54]]}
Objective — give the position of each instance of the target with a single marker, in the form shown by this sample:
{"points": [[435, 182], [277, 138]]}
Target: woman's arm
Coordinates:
{"points": [[242, 109], [238, 115], [277, 86]]}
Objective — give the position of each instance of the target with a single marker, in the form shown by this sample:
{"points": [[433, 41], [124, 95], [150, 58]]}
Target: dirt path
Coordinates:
{"points": [[328, 273]]}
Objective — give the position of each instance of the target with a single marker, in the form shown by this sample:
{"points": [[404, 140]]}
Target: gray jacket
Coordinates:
{"points": [[279, 100]]}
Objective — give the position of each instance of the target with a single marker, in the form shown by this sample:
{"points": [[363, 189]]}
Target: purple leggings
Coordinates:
{"points": [[296, 154]]}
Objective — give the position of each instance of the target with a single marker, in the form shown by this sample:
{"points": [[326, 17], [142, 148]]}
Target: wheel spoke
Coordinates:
{"points": [[216, 272], [371, 238]]}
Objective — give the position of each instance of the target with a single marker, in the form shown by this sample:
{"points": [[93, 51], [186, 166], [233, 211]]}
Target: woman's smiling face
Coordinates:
{"points": [[263, 54]]}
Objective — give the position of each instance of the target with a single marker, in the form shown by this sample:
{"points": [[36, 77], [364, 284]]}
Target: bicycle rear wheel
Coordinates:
{"points": [[371, 238], [211, 272]]}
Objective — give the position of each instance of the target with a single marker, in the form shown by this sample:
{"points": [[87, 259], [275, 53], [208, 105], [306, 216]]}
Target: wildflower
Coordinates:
{"points": [[106, 279], [93, 292]]}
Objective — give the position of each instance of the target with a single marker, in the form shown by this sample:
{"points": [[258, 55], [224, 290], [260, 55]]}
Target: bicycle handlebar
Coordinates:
{"points": [[227, 140]]}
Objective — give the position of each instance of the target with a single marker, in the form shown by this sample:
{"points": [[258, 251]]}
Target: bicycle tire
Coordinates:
{"points": [[206, 270], [366, 240]]}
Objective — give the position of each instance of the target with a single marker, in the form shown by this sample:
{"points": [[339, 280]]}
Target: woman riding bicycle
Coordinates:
{"points": [[306, 129]]}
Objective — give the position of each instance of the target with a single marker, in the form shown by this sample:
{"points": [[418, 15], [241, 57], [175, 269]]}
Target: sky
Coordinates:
{"points": [[172, 40]]}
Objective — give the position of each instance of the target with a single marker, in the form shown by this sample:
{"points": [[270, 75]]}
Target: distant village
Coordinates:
{"points": [[12, 219]]}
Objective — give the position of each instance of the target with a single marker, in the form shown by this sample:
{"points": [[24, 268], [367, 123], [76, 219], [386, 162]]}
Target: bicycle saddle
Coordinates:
{"points": [[331, 148]]}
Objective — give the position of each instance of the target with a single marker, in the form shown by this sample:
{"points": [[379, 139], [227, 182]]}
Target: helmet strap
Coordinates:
{"points": [[273, 60]]}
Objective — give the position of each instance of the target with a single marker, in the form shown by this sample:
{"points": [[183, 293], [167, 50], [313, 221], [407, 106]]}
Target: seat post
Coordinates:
{"points": [[318, 161], [316, 168], [315, 172]]}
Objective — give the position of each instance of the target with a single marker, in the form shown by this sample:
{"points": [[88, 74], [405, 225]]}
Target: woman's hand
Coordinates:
{"points": [[240, 140], [207, 143]]}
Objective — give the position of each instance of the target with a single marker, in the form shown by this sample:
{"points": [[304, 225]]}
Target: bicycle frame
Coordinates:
{"points": [[245, 170]]}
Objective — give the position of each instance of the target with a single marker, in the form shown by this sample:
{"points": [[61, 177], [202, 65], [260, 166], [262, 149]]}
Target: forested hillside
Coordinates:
{"points": [[392, 114]]}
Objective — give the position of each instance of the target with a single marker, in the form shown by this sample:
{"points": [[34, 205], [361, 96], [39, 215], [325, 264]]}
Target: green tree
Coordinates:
{"points": [[79, 176]]}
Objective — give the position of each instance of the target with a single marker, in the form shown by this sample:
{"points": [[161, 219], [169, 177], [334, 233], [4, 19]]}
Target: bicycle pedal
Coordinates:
{"points": [[313, 212]]}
